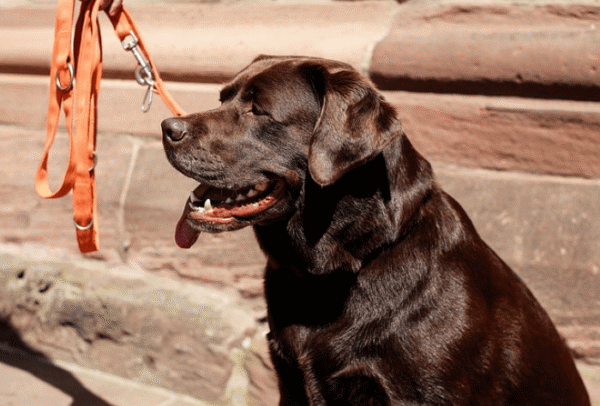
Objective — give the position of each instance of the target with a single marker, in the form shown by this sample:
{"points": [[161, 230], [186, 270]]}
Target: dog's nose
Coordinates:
{"points": [[175, 129]]}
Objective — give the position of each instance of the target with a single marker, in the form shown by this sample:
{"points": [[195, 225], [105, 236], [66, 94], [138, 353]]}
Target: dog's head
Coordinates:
{"points": [[281, 121]]}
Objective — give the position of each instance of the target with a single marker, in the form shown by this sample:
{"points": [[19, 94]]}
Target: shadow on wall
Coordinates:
{"points": [[15, 353]]}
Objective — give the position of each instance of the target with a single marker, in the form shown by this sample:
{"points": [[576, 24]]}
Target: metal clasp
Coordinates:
{"points": [[93, 167], [71, 77], [143, 73], [83, 228]]}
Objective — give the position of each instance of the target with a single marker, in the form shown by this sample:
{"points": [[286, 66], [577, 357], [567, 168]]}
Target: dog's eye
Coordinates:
{"points": [[257, 111]]}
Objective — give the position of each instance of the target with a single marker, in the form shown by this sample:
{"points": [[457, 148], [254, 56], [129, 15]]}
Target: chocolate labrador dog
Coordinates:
{"points": [[379, 290]]}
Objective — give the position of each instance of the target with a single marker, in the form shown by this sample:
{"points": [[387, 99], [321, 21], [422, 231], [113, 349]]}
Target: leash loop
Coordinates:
{"points": [[71, 77]]}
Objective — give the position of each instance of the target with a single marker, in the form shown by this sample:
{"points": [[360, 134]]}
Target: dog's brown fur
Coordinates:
{"points": [[379, 289]]}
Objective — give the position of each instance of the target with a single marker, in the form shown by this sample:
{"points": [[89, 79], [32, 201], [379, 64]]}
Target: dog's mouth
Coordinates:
{"points": [[215, 209]]}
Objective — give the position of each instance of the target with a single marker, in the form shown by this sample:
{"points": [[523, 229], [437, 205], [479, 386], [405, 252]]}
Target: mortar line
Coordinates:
{"points": [[168, 402], [123, 241], [365, 65]]}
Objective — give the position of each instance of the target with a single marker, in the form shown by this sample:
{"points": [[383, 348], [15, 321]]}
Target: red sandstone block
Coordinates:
{"points": [[493, 50]]}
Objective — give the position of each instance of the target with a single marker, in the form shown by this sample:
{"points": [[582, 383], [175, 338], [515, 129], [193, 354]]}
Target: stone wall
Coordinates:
{"points": [[503, 100]]}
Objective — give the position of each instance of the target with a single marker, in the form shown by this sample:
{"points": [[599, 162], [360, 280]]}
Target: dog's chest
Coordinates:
{"points": [[327, 368]]}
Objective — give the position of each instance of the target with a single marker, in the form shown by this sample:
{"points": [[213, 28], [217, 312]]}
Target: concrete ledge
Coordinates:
{"points": [[59, 383], [545, 137], [548, 230], [208, 43], [124, 321], [537, 136], [544, 51], [164, 333], [499, 49]]}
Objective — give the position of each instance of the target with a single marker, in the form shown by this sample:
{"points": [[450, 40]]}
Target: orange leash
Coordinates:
{"points": [[75, 76]]}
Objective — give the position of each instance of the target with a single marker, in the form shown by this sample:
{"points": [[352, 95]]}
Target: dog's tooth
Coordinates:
{"points": [[229, 200], [193, 198], [251, 193], [261, 187], [197, 209], [207, 205], [239, 198]]}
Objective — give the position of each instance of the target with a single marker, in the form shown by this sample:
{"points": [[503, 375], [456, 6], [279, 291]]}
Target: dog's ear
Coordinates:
{"points": [[355, 123]]}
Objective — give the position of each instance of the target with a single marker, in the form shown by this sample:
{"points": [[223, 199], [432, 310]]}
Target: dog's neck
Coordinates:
{"points": [[317, 237]]}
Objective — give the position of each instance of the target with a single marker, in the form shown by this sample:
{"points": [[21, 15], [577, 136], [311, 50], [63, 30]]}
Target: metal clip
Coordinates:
{"points": [[143, 73], [93, 167], [147, 102], [83, 228], [71, 77]]}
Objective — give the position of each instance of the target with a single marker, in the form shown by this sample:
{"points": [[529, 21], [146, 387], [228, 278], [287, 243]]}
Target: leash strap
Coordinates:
{"points": [[75, 75]]}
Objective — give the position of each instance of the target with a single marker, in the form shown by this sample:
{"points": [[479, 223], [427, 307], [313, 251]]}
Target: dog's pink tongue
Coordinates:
{"points": [[185, 235]]}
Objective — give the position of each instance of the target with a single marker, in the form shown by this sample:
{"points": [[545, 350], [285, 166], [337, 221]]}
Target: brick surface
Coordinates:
{"points": [[426, 45], [545, 137], [121, 320], [499, 49], [209, 43], [507, 133], [546, 229]]}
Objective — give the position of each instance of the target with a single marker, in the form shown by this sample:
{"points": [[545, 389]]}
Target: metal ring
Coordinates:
{"points": [[133, 43], [95, 162], [70, 85], [143, 75], [83, 228]]}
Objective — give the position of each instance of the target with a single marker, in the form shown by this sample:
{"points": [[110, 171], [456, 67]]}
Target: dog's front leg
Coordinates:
{"points": [[291, 383], [290, 377]]}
